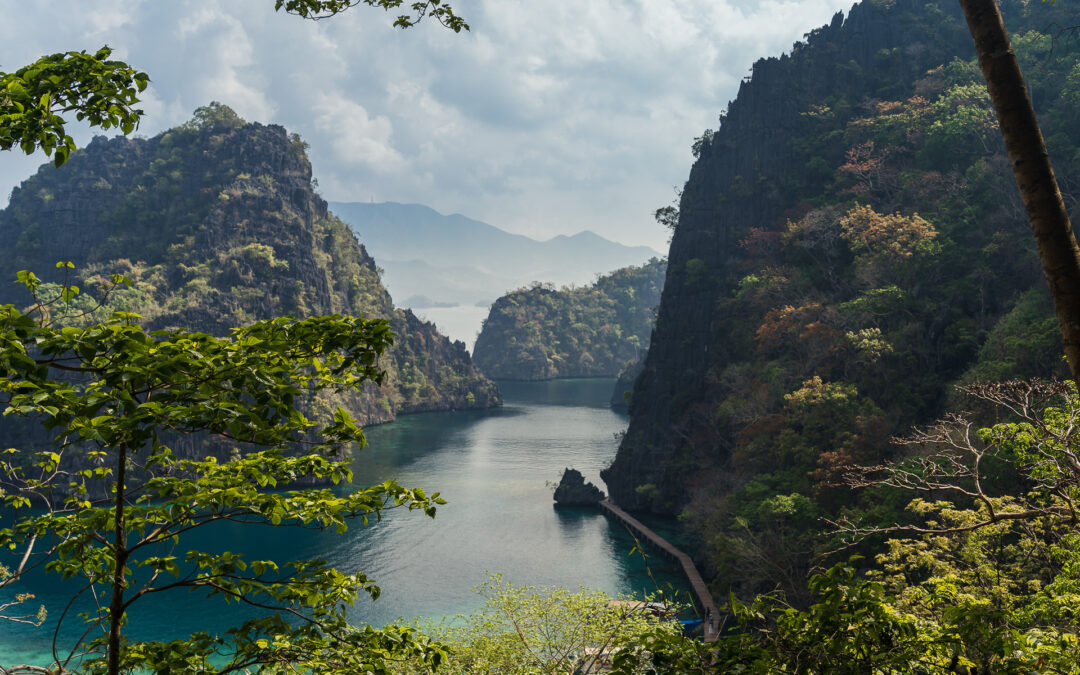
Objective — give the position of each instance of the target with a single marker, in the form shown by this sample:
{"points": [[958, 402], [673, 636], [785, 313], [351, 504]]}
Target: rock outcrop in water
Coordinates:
{"points": [[574, 491]]}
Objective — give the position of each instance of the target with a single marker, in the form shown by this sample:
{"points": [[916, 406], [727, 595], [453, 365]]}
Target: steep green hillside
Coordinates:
{"points": [[850, 244], [217, 222], [539, 333]]}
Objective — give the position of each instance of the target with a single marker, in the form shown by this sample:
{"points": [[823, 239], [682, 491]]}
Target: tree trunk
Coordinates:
{"points": [[1046, 211], [120, 554]]}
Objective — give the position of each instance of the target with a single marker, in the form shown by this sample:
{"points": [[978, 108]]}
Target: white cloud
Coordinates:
{"points": [[223, 56], [549, 117], [106, 18], [356, 137]]}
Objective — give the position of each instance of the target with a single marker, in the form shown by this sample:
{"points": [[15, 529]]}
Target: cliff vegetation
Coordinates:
{"points": [[850, 245], [539, 333], [218, 224]]}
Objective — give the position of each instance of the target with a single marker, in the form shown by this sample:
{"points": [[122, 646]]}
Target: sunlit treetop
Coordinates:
{"points": [[33, 100]]}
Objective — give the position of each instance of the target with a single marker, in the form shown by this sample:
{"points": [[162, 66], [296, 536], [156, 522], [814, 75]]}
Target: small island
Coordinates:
{"points": [[574, 491]]}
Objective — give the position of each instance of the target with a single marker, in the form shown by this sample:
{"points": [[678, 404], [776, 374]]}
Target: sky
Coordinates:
{"points": [[548, 117]]}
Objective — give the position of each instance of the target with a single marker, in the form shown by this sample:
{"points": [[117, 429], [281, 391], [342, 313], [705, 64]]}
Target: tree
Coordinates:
{"points": [[34, 99], [110, 504], [321, 9], [1049, 219], [987, 559], [955, 457], [885, 246], [116, 500], [530, 630], [668, 216]]}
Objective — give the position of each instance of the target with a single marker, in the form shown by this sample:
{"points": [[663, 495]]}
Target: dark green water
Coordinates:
{"points": [[491, 466]]}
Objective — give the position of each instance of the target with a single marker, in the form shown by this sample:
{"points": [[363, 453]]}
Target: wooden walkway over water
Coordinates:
{"points": [[697, 584]]}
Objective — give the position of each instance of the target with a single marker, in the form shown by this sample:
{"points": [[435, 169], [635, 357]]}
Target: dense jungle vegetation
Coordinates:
{"points": [[900, 265], [911, 271], [540, 333], [860, 266]]}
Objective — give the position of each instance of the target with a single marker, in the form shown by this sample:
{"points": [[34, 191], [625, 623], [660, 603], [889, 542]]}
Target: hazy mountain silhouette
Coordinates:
{"points": [[431, 259]]}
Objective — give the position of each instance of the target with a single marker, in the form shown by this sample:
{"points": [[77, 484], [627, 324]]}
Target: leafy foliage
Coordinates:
{"points": [[539, 333], [111, 503], [531, 630], [321, 9], [33, 100]]}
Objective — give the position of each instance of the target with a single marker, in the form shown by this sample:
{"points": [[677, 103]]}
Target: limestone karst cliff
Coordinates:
{"points": [[218, 223], [850, 244]]}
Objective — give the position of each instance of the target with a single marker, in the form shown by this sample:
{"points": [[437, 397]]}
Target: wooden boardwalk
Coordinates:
{"points": [[697, 584]]}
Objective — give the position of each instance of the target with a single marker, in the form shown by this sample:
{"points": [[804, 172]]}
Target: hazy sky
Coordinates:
{"points": [[549, 117]]}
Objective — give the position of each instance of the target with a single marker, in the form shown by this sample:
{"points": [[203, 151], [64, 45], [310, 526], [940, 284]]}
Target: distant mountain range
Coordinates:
{"points": [[435, 260]]}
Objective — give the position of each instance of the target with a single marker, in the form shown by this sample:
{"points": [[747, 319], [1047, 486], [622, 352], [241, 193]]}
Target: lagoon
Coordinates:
{"points": [[491, 466]]}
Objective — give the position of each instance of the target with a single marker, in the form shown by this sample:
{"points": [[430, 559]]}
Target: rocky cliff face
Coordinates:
{"points": [[781, 150], [218, 224]]}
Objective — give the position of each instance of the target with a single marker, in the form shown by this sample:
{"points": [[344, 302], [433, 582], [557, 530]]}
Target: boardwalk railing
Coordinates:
{"points": [[697, 584]]}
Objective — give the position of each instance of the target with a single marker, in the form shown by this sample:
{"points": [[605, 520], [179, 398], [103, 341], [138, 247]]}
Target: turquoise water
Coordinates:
{"points": [[491, 466]]}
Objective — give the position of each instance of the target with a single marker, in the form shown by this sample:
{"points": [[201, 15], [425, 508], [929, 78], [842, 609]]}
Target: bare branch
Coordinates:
{"points": [[949, 459]]}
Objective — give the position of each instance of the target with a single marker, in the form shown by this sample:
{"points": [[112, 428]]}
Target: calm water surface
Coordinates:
{"points": [[491, 466]]}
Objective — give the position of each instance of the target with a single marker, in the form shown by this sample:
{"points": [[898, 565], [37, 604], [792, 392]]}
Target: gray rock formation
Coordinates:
{"points": [[220, 226], [574, 491]]}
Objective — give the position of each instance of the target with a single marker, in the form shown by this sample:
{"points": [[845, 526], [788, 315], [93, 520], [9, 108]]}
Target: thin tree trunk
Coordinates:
{"points": [[116, 606], [1046, 211]]}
